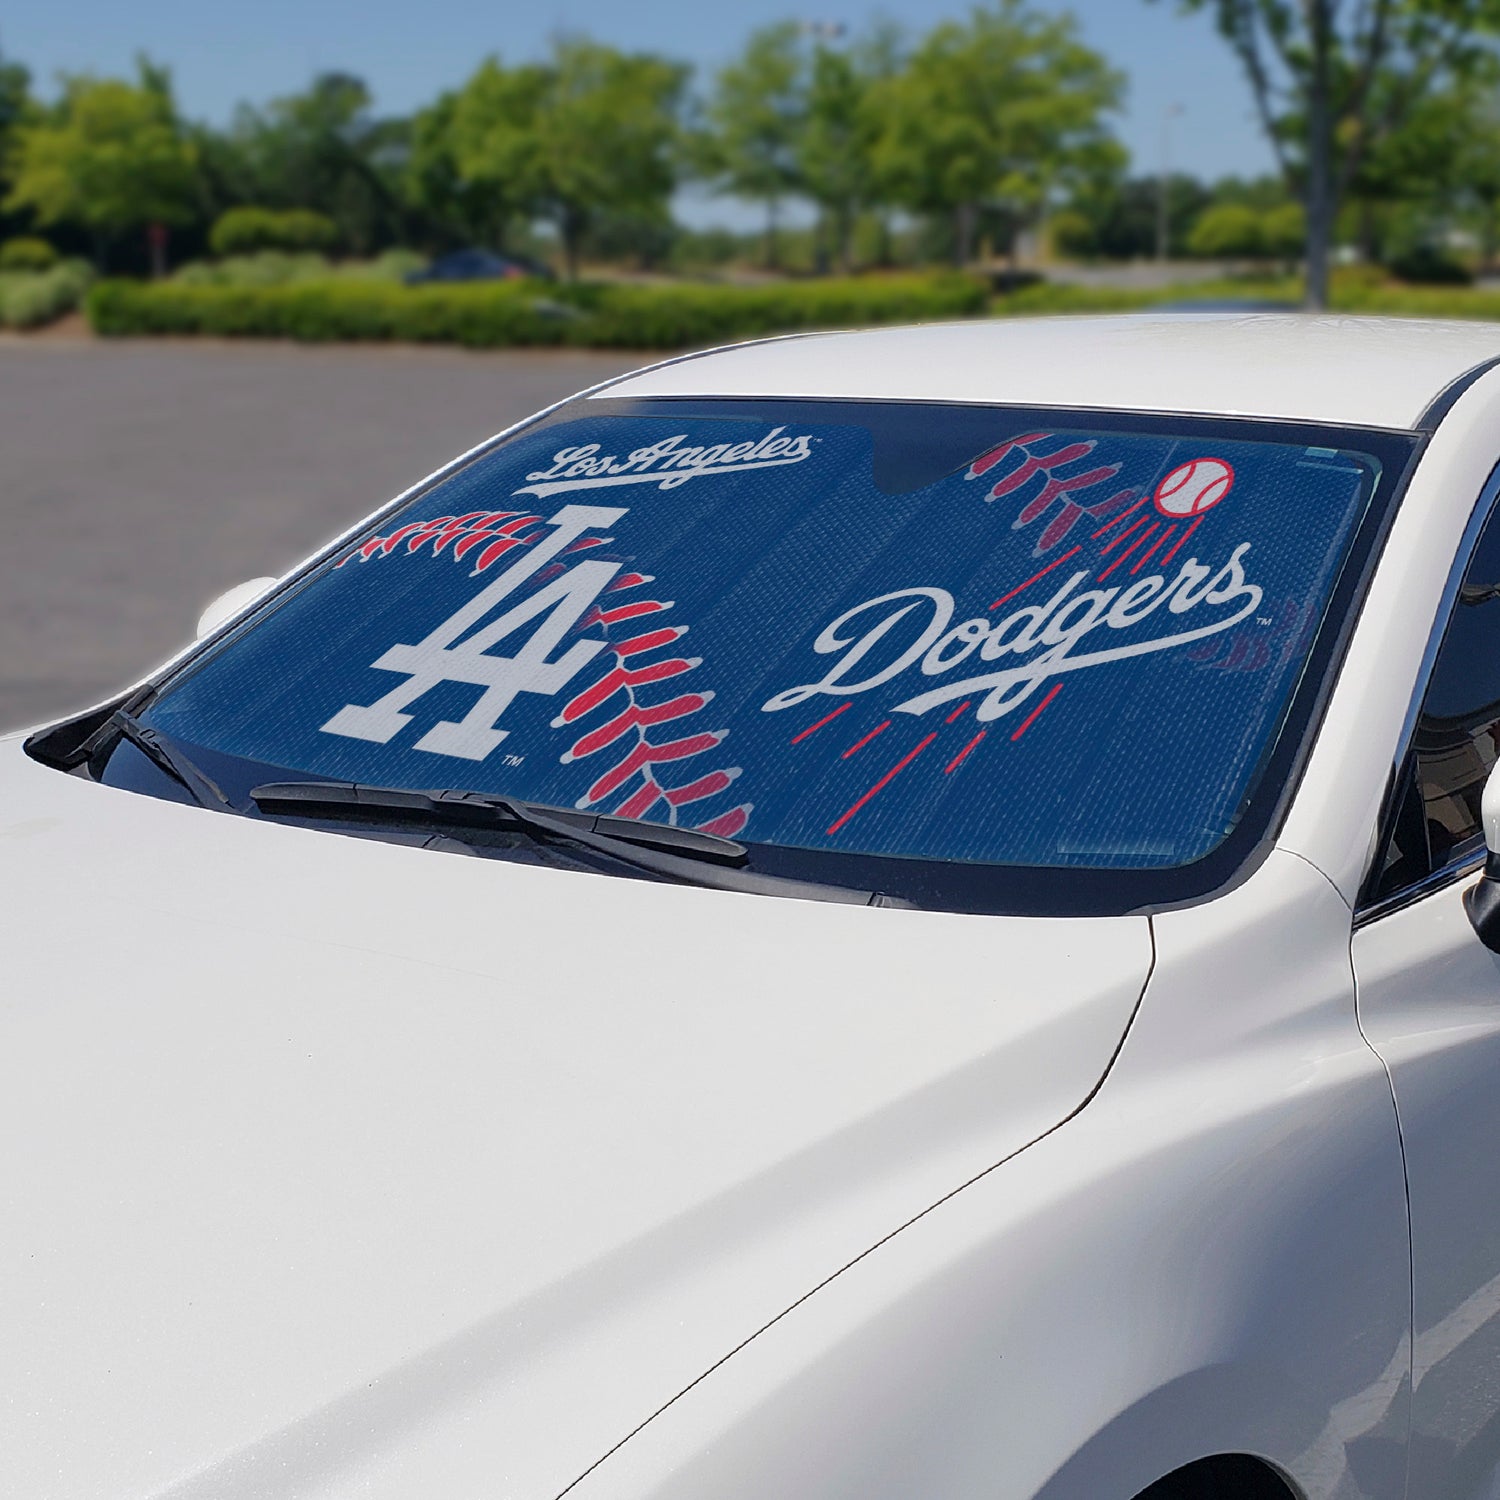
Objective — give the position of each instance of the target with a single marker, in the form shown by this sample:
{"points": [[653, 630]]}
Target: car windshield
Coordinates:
{"points": [[955, 636]]}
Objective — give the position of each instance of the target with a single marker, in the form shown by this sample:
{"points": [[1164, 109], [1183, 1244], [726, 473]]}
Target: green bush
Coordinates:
{"points": [[1072, 233], [26, 252], [243, 231], [1227, 229], [1430, 265], [29, 299], [673, 317], [284, 268], [497, 314], [1284, 230], [389, 265], [1048, 298], [262, 268]]}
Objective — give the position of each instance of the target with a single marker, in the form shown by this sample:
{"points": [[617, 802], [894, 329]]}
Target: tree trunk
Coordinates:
{"points": [[845, 232], [965, 219], [773, 250], [1369, 250], [572, 235], [156, 243], [1320, 204]]}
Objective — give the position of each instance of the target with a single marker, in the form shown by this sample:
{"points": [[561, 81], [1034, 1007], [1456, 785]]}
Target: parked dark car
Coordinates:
{"points": [[479, 265]]}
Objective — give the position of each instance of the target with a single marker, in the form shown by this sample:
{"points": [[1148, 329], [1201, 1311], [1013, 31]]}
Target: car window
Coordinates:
{"points": [[966, 636], [1457, 735]]}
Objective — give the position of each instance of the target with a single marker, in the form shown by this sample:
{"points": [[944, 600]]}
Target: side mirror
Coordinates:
{"points": [[230, 603], [1482, 901]]}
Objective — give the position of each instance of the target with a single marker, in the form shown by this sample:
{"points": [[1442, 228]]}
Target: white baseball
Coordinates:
{"points": [[1194, 487]]}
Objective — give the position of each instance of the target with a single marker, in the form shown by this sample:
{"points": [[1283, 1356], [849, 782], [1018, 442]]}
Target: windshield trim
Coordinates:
{"points": [[982, 888]]}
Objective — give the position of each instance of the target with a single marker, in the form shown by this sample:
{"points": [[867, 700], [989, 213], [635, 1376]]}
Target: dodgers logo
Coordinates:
{"points": [[911, 631]]}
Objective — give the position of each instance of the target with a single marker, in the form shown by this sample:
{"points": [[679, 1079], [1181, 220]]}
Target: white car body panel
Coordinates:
{"points": [[372, 1152], [1377, 372], [1211, 1257], [350, 1169], [1429, 1001]]}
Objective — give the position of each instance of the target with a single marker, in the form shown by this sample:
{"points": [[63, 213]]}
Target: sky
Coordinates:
{"points": [[221, 54]]}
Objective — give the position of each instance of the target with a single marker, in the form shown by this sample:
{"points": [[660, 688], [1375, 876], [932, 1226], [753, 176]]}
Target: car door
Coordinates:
{"points": [[1429, 1003]]}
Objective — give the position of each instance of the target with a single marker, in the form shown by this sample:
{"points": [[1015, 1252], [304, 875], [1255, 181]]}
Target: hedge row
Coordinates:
{"points": [[1046, 298], [495, 315], [1063, 297], [1354, 290], [30, 299]]}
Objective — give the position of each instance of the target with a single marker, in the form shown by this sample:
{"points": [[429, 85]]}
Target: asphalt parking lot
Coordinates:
{"points": [[138, 480]]}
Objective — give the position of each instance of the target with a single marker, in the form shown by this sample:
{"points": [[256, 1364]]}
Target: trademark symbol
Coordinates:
{"points": [[513, 760], [1263, 619]]}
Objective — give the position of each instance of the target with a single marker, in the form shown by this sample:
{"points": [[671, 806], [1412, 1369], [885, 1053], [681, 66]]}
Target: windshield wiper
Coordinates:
{"points": [[166, 757], [480, 809], [684, 854]]}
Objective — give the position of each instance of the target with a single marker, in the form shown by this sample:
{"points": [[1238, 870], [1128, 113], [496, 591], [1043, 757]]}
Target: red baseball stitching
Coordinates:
{"points": [[645, 756]]}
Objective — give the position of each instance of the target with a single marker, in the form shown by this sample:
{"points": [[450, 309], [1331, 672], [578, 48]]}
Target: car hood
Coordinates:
{"points": [[338, 1167]]}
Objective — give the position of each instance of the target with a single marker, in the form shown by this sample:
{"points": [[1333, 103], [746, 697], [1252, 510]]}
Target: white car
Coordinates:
{"points": [[876, 916]]}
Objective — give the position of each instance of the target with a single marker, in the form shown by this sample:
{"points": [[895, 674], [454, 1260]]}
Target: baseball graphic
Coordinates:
{"points": [[1194, 487]]}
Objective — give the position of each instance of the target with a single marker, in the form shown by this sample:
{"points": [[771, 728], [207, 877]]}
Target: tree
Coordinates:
{"points": [[1332, 83], [324, 149], [591, 131], [16, 106], [834, 155], [15, 100], [110, 156], [474, 157], [1475, 165], [607, 137], [834, 150], [996, 111], [755, 117], [459, 211], [1123, 213], [1399, 184]]}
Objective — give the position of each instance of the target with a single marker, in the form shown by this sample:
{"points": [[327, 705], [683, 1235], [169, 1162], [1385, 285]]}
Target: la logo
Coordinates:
{"points": [[452, 654]]}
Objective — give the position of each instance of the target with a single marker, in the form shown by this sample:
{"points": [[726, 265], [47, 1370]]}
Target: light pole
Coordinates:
{"points": [[1164, 181]]}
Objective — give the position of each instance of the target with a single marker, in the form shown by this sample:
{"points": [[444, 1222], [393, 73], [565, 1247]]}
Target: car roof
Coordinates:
{"points": [[1378, 372]]}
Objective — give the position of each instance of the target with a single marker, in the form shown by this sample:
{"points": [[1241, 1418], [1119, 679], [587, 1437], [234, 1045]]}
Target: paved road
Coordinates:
{"points": [[137, 480]]}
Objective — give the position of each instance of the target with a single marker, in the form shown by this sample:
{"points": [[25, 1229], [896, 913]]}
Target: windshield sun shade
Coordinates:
{"points": [[952, 636]]}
